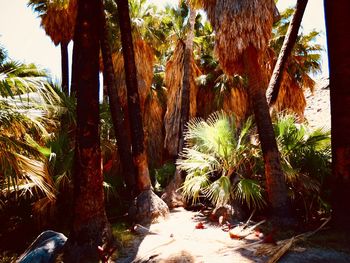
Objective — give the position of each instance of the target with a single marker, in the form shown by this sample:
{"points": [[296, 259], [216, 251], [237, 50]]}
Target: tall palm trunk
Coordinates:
{"points": [[90, 227], [135, 114], [186, 82], [171, 197], [286, 50], [119, 123], [276, 186], [338, 40], [64, 67]]}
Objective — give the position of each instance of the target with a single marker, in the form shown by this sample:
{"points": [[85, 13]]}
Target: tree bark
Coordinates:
{"points": [[119, 123], [338, 40], [186, 82], [135, 114], [64, 67], [286, 50], [275, 181], [171, 196], [90, 227]]}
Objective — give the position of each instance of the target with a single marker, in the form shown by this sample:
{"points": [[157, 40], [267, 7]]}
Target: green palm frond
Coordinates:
{"points": [[194, 185], [250, 192], [219, 192], [216, 153], [305, 158], [29, 108]]}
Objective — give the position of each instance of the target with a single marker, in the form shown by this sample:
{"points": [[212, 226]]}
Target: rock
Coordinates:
{"points": [[148, 208], [229, 213], [44, 249]]}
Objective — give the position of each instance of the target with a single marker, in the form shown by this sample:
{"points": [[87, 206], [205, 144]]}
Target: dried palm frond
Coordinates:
{"points": [[144, 60], [291, 98], [153, 128], [238, 24], [59, 20], [237, 102], [174, 73]]}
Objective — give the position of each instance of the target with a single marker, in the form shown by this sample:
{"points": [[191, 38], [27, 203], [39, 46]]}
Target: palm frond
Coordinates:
{"points": [[250, 192]]}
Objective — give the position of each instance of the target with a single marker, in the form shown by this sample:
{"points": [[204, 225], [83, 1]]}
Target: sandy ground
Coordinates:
{"points": [[317, 111], [177, 240]]}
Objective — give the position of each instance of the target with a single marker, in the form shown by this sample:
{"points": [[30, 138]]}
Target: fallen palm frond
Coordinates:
{"points": [[174, 73], [277, 251]]}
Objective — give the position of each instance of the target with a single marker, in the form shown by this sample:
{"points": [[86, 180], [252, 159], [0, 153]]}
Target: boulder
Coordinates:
{"points": [[44, 249]]}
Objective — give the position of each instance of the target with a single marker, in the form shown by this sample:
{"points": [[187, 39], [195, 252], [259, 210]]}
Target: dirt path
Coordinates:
{"points": [[177, 240]]}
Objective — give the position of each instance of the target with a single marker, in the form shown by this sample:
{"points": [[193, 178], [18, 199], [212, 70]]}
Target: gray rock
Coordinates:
{"points": [[44, 249]]}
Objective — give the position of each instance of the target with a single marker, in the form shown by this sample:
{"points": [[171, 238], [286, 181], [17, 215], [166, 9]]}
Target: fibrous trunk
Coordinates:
{"points": [[286, 50], [64, 67], [119, 123], [275, 181], [90, 229], [135, 115]]}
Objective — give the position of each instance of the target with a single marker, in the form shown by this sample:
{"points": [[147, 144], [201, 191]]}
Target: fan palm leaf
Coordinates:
{"points": [[28, 111]]}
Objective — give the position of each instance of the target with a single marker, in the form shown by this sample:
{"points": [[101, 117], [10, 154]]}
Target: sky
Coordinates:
{"points": [[26, 41]]}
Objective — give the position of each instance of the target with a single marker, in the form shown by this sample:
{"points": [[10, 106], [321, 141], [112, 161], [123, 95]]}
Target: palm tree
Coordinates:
{"points": [[219, 161], [58, 19], [303, 61], [147, 42], [235, 24], [180, 75], [289, 41], [338, 42], [90, 235], [148, 205], [117, 114]]}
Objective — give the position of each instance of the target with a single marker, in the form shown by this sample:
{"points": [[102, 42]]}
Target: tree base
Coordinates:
{"points": [[171, 196], [92, 243], [148, 208]]}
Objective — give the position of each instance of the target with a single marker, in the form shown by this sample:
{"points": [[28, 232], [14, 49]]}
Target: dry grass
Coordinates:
{"points": [[173, 81]]}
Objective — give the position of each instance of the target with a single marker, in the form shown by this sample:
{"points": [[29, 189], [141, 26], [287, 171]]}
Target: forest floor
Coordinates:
{"points": [[178, 239]]}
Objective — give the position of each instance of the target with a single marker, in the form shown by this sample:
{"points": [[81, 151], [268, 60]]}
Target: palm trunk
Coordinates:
{"points": [[135, 114], [186, 82], [338, 40], [275, 181], [64, 67], [119, 123], [171, 197], [147, 206], [105, 84], [286, 50], [90, 227]]}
